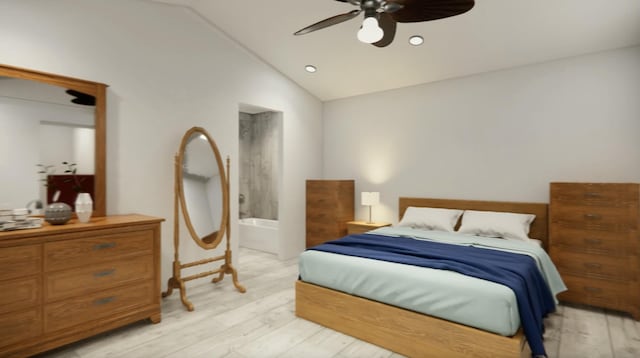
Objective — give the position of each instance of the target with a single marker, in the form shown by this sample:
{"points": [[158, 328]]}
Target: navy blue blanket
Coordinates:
{"points": [[516, 271]]}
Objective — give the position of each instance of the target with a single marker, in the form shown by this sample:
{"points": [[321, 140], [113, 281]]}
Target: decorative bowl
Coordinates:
{"points": [[57, 213]]}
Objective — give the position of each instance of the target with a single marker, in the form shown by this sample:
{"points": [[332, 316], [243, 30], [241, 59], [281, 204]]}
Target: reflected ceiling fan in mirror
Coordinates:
{"points": [[82, 98], [382, 16]]}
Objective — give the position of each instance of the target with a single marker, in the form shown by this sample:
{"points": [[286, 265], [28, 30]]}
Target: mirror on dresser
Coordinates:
{"points": [[47, 119]]}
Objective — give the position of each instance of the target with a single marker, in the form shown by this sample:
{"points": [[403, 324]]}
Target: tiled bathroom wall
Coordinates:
{"points": [[259, 165]]}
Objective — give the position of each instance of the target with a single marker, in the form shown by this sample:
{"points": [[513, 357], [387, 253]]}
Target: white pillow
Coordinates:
{"points": [[496, 224], [430, 218]]}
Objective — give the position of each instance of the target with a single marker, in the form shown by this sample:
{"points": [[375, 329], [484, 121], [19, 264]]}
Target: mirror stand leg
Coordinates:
{"points": [[220, 276], [174, 281], [177, 282], [183, 297], [227, 268], [234, 275], [171, 284]]}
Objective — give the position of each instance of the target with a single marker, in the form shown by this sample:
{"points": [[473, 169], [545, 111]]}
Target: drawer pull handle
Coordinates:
{"points": [[592, 216], [103, 301], [592, 195], [106, 245], [592, 289], [592, 265], [593, 241], [104, 273]]}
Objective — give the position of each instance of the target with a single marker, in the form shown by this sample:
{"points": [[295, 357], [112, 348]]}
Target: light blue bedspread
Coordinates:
{"points": [[546, 266], [445, 294]]}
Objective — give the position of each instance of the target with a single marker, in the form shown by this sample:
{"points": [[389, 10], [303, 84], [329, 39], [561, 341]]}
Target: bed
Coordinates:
{"points": [[408, 331]]}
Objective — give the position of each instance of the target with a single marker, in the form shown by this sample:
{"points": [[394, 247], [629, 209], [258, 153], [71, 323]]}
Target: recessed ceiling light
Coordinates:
{"points": [[310, 68], [416, 40]]}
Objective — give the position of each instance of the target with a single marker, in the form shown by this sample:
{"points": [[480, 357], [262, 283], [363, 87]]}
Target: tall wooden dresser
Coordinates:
{"points": [[594, 242], [330, 204], [62, 283]]}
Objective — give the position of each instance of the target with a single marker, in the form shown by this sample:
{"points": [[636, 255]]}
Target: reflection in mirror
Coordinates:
{"points": [[40, 124], [202, 187], [66, 120]]}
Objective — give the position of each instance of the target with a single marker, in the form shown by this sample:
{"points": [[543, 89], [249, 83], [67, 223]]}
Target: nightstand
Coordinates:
{"points": [[359, 227]]}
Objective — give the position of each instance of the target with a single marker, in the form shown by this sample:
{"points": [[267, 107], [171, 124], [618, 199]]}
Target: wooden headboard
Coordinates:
{"points": [[539, 227]]}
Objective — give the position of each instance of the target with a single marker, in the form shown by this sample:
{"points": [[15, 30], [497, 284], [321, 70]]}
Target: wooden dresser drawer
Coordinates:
{"points": [[20, 293], [66, 254], [77, 310], [359, 227], [314, 238], [601, 293], [321, 217], [590, 241], [331, 188], [20, 261], [88, 279], [320, 199], [328, 231], [597, 266], [19, 326], [595, 194], [596, 217]]}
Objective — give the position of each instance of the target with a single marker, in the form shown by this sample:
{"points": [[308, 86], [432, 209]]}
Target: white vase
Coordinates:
{"points": [[84, 207]]}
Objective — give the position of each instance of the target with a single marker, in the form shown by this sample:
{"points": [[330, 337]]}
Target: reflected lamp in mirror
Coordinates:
{"points": [[370, 198]]}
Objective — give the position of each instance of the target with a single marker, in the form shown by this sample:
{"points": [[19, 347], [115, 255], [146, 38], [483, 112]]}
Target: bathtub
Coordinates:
{"points": [[259, 234]]}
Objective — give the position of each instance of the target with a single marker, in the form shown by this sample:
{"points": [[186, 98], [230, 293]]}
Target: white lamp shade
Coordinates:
{"points": [[370, 31], [370, 198]]}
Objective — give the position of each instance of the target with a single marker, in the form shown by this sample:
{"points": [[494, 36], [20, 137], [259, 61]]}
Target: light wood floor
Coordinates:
{"points": [[262, 323]]}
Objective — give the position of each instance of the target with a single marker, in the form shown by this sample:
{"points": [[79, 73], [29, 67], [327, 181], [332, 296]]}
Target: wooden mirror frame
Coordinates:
{"points": [[177, 281], [213, 240], [99, 91]]}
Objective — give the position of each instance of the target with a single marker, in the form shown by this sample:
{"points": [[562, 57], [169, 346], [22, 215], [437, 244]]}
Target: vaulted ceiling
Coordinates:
{"points": [[494, 35]]}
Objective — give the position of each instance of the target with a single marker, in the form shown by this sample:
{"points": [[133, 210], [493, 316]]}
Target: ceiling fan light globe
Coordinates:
{"points": [[370, 31]]}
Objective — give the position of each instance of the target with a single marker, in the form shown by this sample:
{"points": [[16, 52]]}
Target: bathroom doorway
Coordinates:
{"points": [[260, 138]]}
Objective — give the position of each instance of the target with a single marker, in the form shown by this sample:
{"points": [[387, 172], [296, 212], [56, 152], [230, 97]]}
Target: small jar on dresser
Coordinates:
{"points": [[359, 227], [594, 242]]}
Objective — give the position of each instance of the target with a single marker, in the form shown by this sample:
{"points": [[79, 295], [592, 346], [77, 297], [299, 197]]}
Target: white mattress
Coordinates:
{"points": [[440, 293]]}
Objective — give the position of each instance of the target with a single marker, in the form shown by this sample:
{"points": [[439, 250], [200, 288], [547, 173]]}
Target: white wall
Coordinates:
{"points": [[37, 132], [17, 136], [84, 144], [496, 136], [167, 70]]}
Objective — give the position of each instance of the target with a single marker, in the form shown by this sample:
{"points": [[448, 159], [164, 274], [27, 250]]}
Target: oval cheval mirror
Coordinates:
{"points": [[202, 188], [202, 194]]}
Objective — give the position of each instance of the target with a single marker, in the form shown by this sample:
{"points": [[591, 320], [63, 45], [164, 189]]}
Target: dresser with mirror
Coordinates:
{"points": [[63, 283]]}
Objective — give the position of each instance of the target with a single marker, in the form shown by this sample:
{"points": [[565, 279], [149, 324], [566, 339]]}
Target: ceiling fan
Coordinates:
{"points": [[381, 16]]}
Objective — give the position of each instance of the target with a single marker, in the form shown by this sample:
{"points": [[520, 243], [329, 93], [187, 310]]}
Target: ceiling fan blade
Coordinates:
{"points": [[388, 25], [426, 10], [328, 22]]}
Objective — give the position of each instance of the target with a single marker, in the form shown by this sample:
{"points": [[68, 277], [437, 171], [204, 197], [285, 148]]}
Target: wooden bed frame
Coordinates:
{"points": [[411, 333]]}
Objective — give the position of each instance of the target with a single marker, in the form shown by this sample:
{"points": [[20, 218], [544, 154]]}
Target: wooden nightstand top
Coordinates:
{"points": [[358, 227]]}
